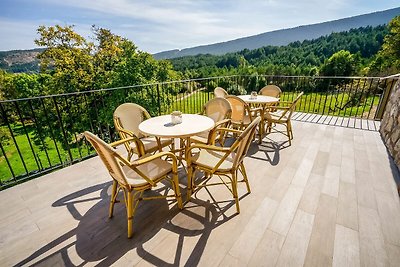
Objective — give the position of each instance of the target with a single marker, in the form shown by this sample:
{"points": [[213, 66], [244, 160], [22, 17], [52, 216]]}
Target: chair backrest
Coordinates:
{"points": [[128, 116], [270, 90], [243, 142], [218, 109], [292, 107], [220, 92], [111, 159], [239, 108]]}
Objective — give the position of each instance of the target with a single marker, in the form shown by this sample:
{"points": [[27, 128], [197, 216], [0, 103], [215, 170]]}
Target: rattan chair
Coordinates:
{"points": [[135, 177], [220, 92], [270, 90], [219, 109], [127, 118], [282, 115], [242, 115], [221, 161]]}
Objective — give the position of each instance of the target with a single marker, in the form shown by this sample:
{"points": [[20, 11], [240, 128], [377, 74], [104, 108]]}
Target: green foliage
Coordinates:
{"points": [[298, 58], [387, 60], [342, 63]]}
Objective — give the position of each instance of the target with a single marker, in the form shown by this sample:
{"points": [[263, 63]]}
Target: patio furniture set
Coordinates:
{"points": [[194, 141]]}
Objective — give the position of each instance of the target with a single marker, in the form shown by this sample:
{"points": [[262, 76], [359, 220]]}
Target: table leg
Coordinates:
{"points": [[262, 124]]}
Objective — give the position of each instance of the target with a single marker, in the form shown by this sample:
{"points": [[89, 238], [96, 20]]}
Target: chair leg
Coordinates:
{"points": [[290, 129], [112, 200], [175, 185], [190, 173], [131, 204], [243, 170], [234, 190], [130, 154], [288, 133], [129, 211]]}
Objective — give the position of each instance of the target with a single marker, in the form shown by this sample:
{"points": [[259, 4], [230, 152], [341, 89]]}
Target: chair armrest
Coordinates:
{"points": [[282, 108], [120, 142], [230, 130], [256, 109], [209, 147], [130, 133], [145, 160], [218, 123]]}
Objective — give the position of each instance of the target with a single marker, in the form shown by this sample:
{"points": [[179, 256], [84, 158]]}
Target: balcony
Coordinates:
{"points": [[328, 199]]}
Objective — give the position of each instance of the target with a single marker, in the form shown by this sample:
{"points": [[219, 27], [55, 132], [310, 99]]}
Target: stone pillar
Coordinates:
{"points": [[390, 124]]}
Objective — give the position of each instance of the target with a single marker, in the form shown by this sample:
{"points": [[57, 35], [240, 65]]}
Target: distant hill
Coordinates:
{"points": [[20, 60], [286, 36]]}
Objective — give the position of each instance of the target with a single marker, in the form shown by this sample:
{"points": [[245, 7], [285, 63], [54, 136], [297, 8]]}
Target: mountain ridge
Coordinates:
{"points": [[285, 36]]}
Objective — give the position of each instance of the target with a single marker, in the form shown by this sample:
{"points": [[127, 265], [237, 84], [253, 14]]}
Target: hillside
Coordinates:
{"points": [[20, 60], [286, 36], [297, 58]]}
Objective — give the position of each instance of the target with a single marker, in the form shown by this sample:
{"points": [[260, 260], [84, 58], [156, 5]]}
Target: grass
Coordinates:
{"points": [[335, 105], [34, 160], [190, 103]]}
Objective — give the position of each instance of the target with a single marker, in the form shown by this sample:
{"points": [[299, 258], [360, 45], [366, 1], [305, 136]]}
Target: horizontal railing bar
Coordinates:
{"points": [[110, 89]]}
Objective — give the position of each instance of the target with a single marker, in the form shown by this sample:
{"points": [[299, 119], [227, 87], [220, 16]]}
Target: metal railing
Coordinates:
{"points": [[40, 134]]}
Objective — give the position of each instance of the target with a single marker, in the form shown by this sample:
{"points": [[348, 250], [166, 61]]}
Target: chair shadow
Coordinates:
{"points": [[104, 241], [270, 149]]}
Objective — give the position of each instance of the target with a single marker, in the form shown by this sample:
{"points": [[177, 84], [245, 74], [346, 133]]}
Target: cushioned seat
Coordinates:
{"points": [[221, 161], [133, 178], [127, 118]]}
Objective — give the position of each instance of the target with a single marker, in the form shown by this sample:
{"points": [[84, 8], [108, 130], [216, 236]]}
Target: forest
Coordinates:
{"points": [[299, 58]]}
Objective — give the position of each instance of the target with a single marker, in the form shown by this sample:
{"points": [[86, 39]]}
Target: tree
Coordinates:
{"points": [[387, 60], [342, 63], [67, 57]]}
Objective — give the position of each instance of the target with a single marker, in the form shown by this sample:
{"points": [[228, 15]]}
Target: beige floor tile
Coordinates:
{"points": [[346, 250]]}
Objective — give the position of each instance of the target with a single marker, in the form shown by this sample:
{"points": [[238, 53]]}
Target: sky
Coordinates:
{"points": [[160, 25]]}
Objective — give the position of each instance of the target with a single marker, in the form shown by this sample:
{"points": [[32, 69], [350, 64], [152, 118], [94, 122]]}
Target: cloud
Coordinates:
{"points": [[15, 35], [158, 25]]}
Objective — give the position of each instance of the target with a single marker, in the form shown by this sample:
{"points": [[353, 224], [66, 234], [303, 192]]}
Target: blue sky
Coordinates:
{"points": [[159, 25]]}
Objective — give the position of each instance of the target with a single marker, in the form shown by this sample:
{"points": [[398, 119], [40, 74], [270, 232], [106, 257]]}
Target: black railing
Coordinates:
{"points": [[41, 134]]}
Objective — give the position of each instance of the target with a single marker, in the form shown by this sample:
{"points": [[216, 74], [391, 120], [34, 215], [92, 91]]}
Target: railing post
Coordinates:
{"points": [[389, 83], [158, 99]]}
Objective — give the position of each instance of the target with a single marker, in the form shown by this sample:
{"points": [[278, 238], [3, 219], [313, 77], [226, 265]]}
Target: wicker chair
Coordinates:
{"points": [[127, 118], [220, 92], [270, 90], [219, 109], [242, 115], [282, 115], [135, 177], [221, 161]]}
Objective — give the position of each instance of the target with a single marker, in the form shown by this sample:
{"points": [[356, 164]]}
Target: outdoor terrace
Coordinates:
{"points": [[328, 199]]}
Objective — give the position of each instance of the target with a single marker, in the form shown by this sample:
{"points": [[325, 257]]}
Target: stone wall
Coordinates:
{"points": [[390, 124]]}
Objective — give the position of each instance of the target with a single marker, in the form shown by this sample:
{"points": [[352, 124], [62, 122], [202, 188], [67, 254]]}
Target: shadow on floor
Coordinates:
{"points": [[104, 241], [271, 150]]}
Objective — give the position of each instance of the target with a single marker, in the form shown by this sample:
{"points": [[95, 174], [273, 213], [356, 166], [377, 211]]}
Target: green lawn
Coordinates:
{"points": [[33, 160], [192, 103], [335, 105]]}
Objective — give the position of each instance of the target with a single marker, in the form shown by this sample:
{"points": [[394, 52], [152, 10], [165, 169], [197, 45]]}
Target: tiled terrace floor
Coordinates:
{"points": [[329, 199]]}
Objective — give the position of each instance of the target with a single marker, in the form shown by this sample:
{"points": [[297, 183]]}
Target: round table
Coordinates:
{"points": [[162, 126], [263, 101], [260, 99]]}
